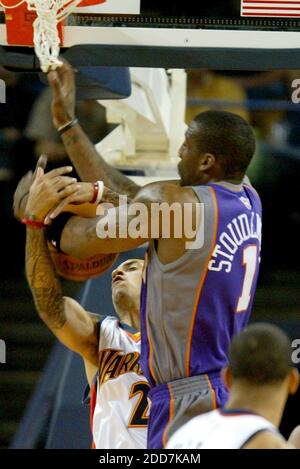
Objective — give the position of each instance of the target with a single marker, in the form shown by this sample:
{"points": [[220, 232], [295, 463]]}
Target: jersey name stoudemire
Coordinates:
{"points": [[114, 363]]}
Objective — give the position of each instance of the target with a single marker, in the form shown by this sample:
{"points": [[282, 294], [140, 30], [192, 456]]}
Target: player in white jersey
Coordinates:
{"points": [[119, 404], [260, 377], [118, 396], [294, 438], [110, 349]]}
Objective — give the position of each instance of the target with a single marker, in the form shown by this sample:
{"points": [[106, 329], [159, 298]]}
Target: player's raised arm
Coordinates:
{"points": [[88, 162], [23, 187], [69, 322], [128, 226]]}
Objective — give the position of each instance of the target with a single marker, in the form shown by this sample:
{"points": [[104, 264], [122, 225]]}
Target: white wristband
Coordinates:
{"points": [[100, 191]]}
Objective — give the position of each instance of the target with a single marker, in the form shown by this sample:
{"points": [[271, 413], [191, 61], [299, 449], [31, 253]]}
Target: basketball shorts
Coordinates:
{"points": [[174, 404]]}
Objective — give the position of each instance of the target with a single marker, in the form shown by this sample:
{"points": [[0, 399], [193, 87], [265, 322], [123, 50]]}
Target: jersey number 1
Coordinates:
{"points": [[249, 261]]}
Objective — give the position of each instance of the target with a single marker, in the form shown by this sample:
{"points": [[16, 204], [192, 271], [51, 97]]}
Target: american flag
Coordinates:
{"points": [[272, 8]]}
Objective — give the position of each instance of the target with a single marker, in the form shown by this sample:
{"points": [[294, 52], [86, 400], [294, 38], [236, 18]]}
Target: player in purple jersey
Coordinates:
{"points": [[205, 297], [195, 296]]}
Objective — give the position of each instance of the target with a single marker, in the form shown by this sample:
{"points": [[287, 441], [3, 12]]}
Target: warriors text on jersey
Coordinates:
{"points": [[119, 404]]}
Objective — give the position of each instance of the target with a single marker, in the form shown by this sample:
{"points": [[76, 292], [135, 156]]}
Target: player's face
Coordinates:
{"points": [[127, 281], [190, 167]]}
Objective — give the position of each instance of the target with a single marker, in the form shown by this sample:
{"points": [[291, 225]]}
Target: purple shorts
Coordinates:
{"points": [[174, 404]]}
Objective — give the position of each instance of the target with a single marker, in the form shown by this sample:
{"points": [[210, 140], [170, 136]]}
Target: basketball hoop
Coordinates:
{"points": [[46, 20]]}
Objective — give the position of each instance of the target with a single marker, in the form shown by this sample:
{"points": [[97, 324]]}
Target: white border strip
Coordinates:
{"points": [[117, 7], [181, 38], [169, 37]]}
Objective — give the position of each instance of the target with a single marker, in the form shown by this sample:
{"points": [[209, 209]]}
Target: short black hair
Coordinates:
{"points": [[260, 354], [228, 137]]}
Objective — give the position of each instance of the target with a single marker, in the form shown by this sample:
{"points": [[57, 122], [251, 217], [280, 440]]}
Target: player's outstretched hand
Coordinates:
{"points": [[48, 190], [83, 194], [22, 190], [62, 84]]}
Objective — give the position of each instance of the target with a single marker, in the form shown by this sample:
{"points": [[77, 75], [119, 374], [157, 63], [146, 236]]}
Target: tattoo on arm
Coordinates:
{"points": [[112, 197], [91, 166], [80, 237], [43, 281]]}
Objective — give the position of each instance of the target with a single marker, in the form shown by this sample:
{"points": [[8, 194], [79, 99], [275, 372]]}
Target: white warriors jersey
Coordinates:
{"points": [[220, 429], [119, 403]]}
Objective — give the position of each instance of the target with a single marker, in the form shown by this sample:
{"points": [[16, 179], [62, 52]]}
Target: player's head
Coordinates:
{"points": [[218, 145], [260, 357], [126, 287]]}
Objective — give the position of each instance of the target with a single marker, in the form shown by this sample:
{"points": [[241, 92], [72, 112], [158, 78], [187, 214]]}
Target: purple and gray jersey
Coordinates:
{"points": [[191, 308]]}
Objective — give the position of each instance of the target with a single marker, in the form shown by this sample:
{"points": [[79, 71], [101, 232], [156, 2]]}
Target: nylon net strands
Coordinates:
{"points": [[46, 37]]}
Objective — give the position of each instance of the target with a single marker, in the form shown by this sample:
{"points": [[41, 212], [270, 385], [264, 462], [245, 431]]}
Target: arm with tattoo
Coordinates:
{"points": [[126, 227], [113, 198], [80, 237], [43, 281], [66, 318]]}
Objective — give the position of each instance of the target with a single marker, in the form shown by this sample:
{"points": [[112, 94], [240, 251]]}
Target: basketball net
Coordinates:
{"points": [[45, 31]]}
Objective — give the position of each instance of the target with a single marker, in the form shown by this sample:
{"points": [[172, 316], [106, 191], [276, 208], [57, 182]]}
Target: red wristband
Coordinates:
{"points": [[96, 190], [33, 223]]}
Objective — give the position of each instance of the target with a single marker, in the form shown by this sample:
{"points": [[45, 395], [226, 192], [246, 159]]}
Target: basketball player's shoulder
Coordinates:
{"points": [[113, 335], [166, 191], [113, 328], [268, 440], [110, 322], [187, 436], [109, 325], [294, 438], [248, 185]]}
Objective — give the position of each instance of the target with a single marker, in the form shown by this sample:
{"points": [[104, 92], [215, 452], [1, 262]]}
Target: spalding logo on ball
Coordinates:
{"points": [[80, 270]]}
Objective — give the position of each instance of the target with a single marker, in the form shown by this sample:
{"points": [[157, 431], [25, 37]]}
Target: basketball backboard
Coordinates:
{"points": [[171, 34]]}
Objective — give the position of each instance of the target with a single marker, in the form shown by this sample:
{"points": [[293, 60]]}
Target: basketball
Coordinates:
{"points": [[80, 270]]}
